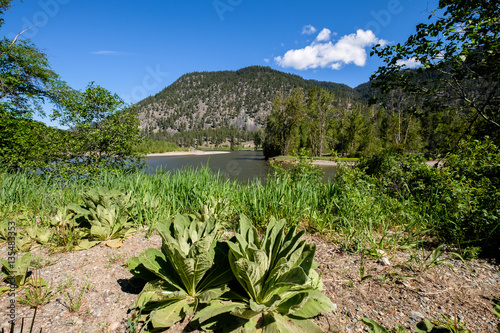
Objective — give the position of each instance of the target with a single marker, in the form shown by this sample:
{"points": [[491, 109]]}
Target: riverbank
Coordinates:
{"points": [[342, 161], [188, 153], [315, 161]]}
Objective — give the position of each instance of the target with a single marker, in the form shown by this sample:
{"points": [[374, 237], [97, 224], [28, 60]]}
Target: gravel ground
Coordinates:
{"points": [[394, 295]]}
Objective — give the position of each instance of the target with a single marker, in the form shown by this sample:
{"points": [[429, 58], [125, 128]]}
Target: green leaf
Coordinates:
{"points": [[138, 270], [155, 262], [373, 326], [213, 309], [22, 267], [212, 294], [86, 244], [284, 324], [4, 290], [171, 314], [316, 304], [426, 326], [244, 312]]}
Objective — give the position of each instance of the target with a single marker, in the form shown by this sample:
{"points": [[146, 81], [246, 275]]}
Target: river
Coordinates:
{"points": [[242, 165]]}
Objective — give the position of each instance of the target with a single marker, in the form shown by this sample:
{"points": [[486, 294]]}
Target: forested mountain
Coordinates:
{"points": [[210, 108], [214, 100]]}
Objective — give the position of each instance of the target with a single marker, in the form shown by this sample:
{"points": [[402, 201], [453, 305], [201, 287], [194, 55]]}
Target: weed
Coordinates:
{"points": [[73, 298], [133, 324], [39, 291], [114, 258], [422, 261], [362, 275], [39, 261]]}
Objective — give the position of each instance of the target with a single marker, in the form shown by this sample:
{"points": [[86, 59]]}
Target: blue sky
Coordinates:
{"points": [[137, 48]]}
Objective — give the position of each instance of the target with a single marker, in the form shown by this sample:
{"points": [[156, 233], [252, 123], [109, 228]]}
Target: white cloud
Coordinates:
{"points": [[324, 35], [410, 63], [348, 49], [308, 30], [266, 60]]}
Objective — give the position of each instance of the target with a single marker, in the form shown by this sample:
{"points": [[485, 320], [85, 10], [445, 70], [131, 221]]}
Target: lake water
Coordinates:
{"points": [[242, 165]]}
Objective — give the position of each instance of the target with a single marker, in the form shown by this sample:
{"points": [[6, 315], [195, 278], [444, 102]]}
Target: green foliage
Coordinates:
{"points": [[459, 53], [27, 82], [73, 297], [426, 326], [281, 288], [283, 123], [26, 79], [107, 213], [496, 311], [191, 269], [461, 198], [102, 134], [424, 261], [16, 272], [149, 146], [446, 325], [38, 293], [103, 137], [302, 171], [66, 234]]}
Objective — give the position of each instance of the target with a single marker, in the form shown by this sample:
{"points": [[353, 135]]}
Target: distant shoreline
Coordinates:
{"points": [[187, 153]]}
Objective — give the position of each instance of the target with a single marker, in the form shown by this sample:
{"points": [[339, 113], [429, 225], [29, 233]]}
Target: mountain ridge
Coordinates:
{"points": [[223, 99]]}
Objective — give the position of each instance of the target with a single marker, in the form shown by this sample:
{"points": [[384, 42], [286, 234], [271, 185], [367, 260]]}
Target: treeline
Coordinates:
{"points": [[208, 137], [314, 121]]}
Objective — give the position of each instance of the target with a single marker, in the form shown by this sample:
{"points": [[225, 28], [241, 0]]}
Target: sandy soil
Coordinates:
{"points": [[397, 293], [191, 152]]}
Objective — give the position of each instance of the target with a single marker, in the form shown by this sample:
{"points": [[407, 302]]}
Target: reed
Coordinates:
{"points": [[349, 206]]}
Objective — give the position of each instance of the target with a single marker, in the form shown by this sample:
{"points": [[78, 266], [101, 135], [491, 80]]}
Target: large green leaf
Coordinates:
{"points": [[158, 291], [214, 309], [316, 304], [374, 327], [171, 314], [19, 270], [277, 272], [138, 270], [191, 261], [276, 323], [212, 294], [155, 262]]}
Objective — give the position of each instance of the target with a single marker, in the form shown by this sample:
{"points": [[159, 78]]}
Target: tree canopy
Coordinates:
{"points": [[460, 48], [102, 131]]}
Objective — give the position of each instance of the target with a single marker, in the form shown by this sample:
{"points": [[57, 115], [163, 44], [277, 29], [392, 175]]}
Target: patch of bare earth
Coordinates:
{"points": [[394, 295]]}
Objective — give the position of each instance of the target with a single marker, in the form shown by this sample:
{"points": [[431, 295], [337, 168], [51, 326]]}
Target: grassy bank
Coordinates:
{"points": [[385, 202]]}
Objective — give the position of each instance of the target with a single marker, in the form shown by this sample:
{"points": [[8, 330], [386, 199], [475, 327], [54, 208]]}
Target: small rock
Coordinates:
{"points": [[381, 252], [384, 261], [415, 315], [114, 326]]}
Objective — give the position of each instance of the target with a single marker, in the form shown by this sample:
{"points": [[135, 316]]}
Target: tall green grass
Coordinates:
{"points": [[349, 208]]}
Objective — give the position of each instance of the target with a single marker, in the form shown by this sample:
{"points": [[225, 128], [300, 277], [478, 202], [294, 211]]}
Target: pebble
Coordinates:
{"points": [[114, 326], [384, 261], [415, 315]]}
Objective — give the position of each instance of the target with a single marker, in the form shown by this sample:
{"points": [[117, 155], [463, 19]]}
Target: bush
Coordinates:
{"points": [[461, 199]]}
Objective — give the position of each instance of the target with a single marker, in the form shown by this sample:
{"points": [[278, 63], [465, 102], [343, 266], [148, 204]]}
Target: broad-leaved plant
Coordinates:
{"points": [[190, 269], [280, 287]]}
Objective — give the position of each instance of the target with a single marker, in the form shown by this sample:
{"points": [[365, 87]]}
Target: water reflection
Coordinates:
{"points": [[243, 166]]}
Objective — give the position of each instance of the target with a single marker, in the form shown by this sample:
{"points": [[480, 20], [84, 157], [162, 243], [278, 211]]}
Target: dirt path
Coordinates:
{"points": [[394, 295]]}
